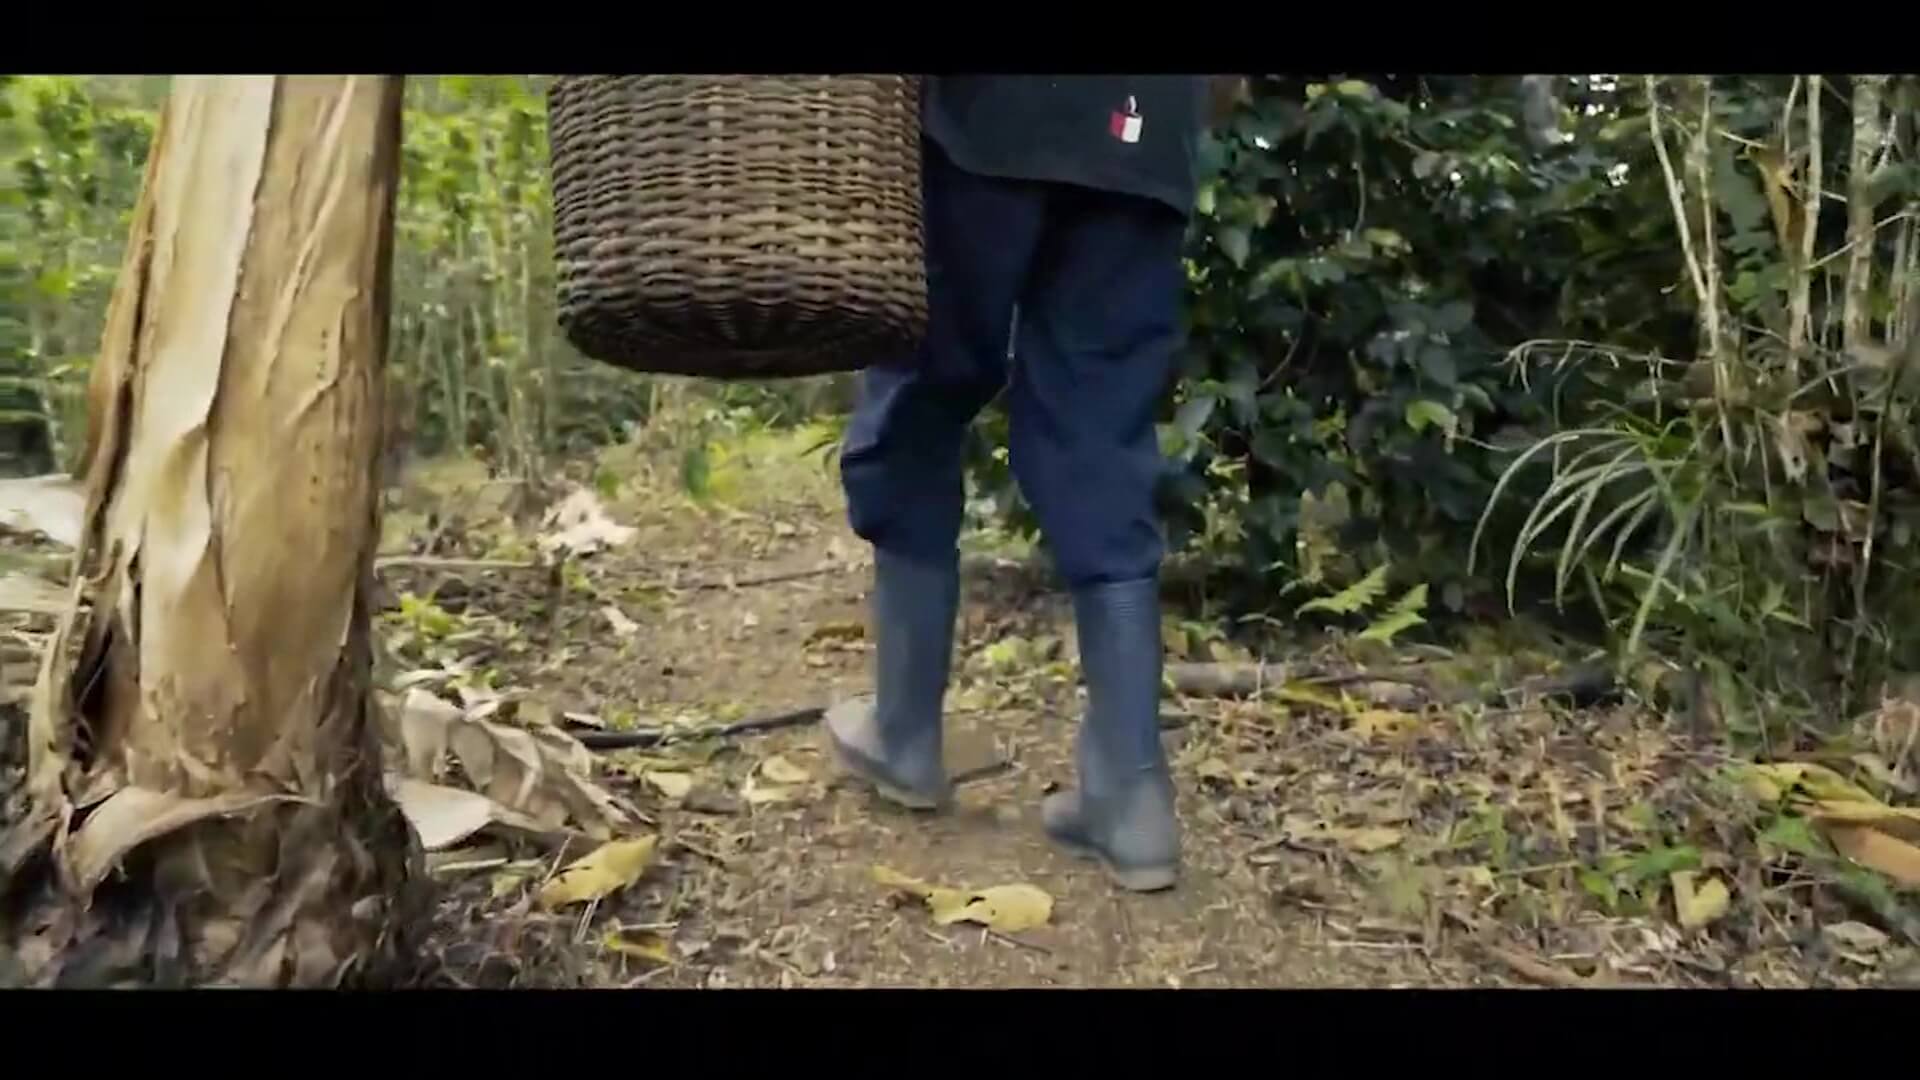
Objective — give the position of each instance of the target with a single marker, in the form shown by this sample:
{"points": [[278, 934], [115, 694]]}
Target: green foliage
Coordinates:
{"points": [[476, 361], [1584, 368], [71, 163], [1365, 253], [1403, 615], [1364, 595], [1631, 883], [1353, 599], [1753, 512]]}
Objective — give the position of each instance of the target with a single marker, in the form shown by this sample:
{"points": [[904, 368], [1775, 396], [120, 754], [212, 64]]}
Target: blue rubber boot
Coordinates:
{"points": [[1122, 813], [893, 740]]}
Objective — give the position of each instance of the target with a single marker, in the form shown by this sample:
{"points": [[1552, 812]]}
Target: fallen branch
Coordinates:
{"points": [[1231, 679], [644, 738], [435, 562], [1540, 972], [1586, 684], [771, 579]]}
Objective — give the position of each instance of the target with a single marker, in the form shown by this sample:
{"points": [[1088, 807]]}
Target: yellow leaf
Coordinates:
{"points": [[758, 794], [894, 879], [1480, 877], [622, 626], [673, 785], [781, 771], [1368, 840], [640, 944], [1877, 851], [1300, 693], [604, 870], [1008, 652], [1898, 822], [508, 881], [1384, 238], [1772, 781], [1373, 723], [1006, 908], [1696, 907], [1884, 774], [1856, 936], [844, 631], [1216, 770]]}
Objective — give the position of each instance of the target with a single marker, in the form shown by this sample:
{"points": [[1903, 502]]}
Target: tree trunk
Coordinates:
{"points": [[204, 800], [1868, 133]]}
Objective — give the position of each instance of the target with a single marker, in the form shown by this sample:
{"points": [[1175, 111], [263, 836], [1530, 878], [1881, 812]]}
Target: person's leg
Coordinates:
{"points": [[900, 466], [1099, 334]]}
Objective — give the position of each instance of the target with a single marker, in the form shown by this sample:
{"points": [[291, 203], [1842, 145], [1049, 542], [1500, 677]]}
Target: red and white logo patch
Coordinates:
{"points": [[1125, 126]]}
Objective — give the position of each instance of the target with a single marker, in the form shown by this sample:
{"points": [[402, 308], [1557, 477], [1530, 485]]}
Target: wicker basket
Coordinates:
{"points": [[738, 226]]}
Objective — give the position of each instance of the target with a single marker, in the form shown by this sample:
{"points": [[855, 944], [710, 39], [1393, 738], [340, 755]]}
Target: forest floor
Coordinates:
{"points": [[1363, 829], [1383, 840]]}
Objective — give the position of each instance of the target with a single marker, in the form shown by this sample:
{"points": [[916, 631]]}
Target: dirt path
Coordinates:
{"points": [[794, 879], [1324, 847]]}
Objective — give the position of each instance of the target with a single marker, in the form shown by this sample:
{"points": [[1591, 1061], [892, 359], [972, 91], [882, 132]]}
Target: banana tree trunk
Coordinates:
{"points": [[204, 803]]}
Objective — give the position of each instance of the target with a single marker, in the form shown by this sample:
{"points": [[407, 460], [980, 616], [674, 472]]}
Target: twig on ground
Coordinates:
{"points": [[685, 845], [1009, 939], [436, 562], [980, 772], [453, 565], [649, 737], [1584, 684], [1538, 971], [772, 579]]}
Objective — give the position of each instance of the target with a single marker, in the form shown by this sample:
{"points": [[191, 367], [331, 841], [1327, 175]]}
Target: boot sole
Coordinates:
{"points": [[849, 764], [1133, 879]]}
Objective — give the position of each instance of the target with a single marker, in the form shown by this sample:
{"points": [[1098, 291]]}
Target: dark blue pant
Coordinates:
{"points": [[1097, 281]]}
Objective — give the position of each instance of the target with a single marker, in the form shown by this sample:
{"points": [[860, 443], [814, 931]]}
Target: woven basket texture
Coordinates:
{"points": [[738, 226]]}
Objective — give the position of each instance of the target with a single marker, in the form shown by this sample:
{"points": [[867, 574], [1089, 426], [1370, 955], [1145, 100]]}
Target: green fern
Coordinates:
{"points": [[1401, 617], [1352, 600]]}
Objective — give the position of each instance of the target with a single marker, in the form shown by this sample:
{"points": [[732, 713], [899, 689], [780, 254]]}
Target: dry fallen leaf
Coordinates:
{"points": [[131, 816], [443, 816], [1478, 877], [1007, 909], [617, 619], [782, 771], [1368, 840], [647, 945], [759, 794], [601, 872], [1857, 936], [674, 785], [841, 631], [1772, 781], [1900, 822], [579, 525], [1882, 838], [1379, 723], [540, 772], [1698, 905], [508, 880], [1877, 851], [1880, 772]]}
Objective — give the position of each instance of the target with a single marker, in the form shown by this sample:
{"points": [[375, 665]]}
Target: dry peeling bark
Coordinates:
{"points": [[204, 791]]}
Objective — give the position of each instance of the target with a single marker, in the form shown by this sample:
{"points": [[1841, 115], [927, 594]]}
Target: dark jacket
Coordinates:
{"points": [[1132, 134]]}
